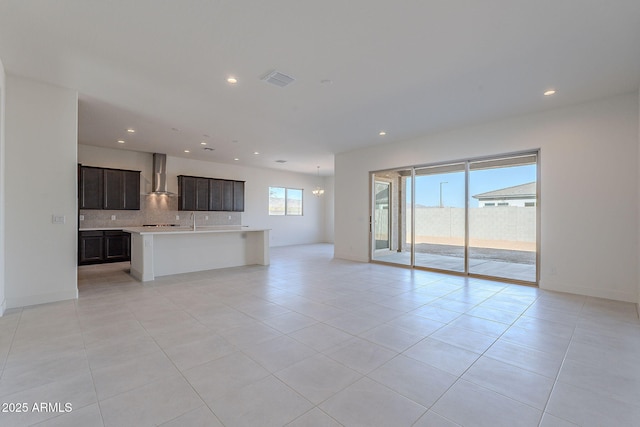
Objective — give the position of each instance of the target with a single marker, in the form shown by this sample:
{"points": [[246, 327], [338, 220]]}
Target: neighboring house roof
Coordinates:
{"points": [[522, 191]]}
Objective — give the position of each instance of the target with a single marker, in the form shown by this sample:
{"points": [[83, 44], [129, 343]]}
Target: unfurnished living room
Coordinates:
{"points": [[297, 213]]}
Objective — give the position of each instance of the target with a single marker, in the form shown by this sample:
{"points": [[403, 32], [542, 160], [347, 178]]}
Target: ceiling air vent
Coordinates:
{"points": [[278, 79], [281, 161]]}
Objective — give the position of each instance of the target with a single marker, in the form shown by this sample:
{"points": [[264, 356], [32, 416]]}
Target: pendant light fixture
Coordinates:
{"points": [[318, 191]]}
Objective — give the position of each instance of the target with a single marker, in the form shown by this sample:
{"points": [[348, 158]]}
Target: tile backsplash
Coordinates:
{"points": [[155, 209]]}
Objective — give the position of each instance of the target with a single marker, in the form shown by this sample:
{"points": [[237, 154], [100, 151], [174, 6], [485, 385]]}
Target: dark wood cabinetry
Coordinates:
{"points": [[215, 195], [113, 189], [91, 187], [131, 190], [96, 247], [238, 196], [117, 246], [227, 195], [202, 194], [193, 193], [210, 194], [91, 247]]}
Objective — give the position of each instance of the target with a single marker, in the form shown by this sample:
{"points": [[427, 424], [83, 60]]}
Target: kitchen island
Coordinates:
{"points": [[160, 251]]}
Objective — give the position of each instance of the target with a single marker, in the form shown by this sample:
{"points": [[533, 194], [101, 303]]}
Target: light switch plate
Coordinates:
{"points": [[58, 219], [113, 217]]}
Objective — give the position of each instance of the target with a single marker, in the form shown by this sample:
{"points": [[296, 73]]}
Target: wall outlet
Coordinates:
{"points": [[229, 217], [113, 217], [81, 217], [58, 219], [177, 217], [206, 217]]}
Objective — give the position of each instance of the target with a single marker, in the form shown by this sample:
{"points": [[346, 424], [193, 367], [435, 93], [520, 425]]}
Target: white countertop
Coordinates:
{"points": [[189, 230], [100, 228]]}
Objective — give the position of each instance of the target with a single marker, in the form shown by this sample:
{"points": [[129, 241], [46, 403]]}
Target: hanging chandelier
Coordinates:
{"points": [[318, 191]]}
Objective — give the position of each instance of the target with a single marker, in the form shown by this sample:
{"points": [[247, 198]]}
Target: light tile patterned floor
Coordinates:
{"points": [[312, 341]]}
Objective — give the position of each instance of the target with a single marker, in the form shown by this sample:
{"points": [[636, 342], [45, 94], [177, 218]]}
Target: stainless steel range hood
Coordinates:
{"points": [[160, 174]]}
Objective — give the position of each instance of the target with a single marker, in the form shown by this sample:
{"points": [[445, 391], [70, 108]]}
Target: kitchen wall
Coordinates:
{"points": [[40, 184], [154, 209], [588, 167], [287, 230], [3, 301]]}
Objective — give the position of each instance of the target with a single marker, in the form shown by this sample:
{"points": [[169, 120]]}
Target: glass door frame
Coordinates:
{"points": [[467, 162], [389, 185]]}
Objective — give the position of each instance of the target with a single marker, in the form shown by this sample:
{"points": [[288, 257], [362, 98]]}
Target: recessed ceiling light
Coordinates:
{"points": [[382, 133], [255, 152], [131, 130], [121, 141], [236, 159], [187, 151], [203, 143], [232, 80], [550, 92]]}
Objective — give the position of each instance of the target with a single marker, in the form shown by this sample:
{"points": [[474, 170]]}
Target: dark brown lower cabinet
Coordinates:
{"points": [[117, 246], [97, 247], [91, 247]]}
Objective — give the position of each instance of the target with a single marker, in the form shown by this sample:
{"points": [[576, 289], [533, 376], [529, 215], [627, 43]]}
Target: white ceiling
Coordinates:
{"points": [[409, 67]]}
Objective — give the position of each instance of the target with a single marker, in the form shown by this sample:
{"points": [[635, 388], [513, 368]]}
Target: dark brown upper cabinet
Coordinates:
{"points": [[216, 189], [113, 189], [91, 187], [238, 196], [210, 194], [193, 193]]}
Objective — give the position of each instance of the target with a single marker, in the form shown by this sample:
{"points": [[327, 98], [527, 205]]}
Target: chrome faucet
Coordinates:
{"points": [[193, 218]]}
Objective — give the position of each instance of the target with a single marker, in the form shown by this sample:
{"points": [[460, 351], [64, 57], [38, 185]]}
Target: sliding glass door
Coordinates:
{"points": [[439, 217], [382, 217], [391, 232], [502, 217], [475, 217]]}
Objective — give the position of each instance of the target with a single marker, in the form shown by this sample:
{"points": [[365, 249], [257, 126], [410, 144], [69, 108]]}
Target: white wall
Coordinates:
{"points": [[40, 181], [3, 301], [588, 152], [329, 194], [285, 230]]}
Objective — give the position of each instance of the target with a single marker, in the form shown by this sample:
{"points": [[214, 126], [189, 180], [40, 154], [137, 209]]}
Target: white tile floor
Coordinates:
{"points": [[312, 341]]}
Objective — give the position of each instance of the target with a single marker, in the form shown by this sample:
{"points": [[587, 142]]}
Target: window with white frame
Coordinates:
{"points": [[285, 201]]}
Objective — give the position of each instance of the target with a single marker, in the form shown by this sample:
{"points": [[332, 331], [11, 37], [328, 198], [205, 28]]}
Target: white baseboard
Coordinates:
{"points": [[349, 257], [589, 291], [41, 298]]}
